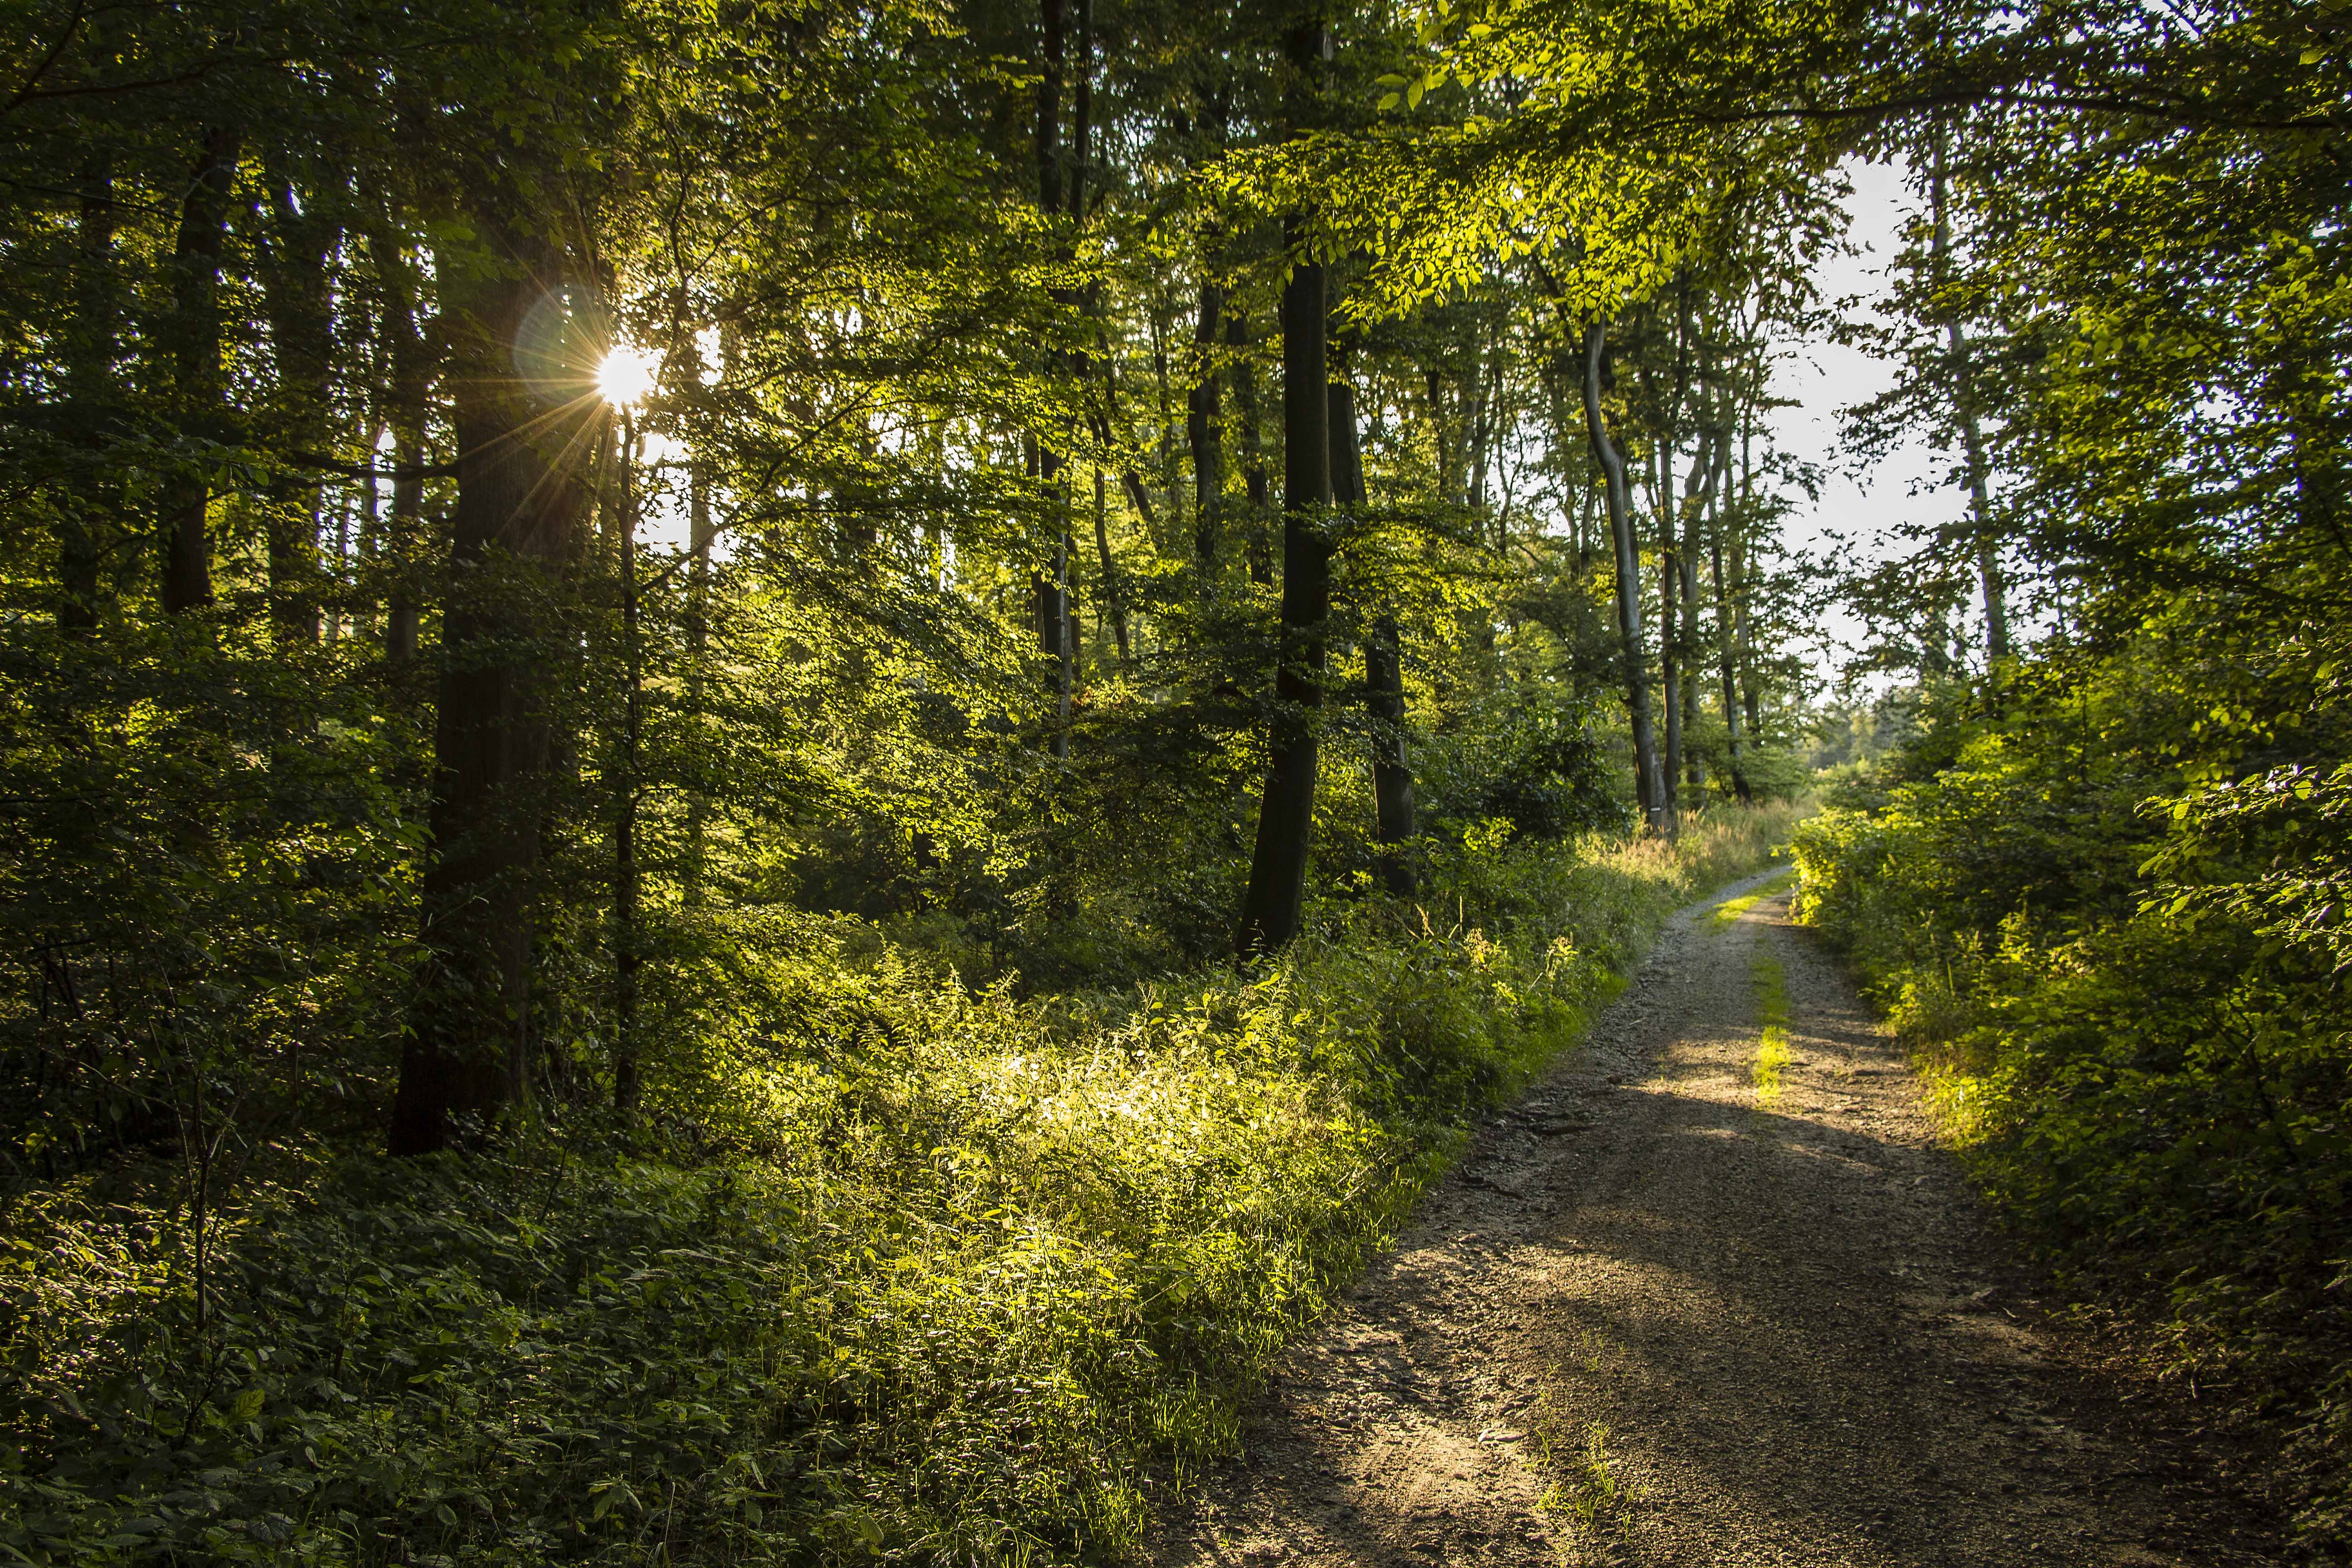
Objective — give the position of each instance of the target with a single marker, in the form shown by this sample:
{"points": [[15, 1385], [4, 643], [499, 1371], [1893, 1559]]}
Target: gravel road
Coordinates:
{"points": [[1669, 1312]]}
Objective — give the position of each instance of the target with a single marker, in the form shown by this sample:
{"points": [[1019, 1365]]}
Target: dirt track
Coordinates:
{"points": [[1779, 1316]]}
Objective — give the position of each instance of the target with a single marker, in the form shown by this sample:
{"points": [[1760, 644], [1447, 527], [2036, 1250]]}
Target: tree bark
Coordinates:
{"points": [[91, 392], [404, 415], [299, 301], [1695, 494], [1203, 415], [1647, 787], [522, 501], [628, 956], [1259, 547], [1112, 608], [1392, 807], [194, 332], [1051, 588], [1987, 548], [1669, 659], [699, 535], [1277, 884]]}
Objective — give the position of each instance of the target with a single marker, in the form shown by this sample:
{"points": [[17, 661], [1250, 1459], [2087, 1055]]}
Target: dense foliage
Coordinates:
{"points": [[2100, 881], [915, 1269], [640, 646], [736, 740]]}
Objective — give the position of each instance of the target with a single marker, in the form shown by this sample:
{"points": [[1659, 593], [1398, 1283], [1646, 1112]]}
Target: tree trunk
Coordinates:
{"points": [[1392, 807], [299, 301], [1203, 420], [1277, 885], [627, 950], [1259, 546], [1669, 655], [1112, 608], [697, 646], [1987, 548], [404, 414], [90, 390], [1723, 651], [1647, 787], [1052, 587], [1696, 496], [522, 504], [194, 332]]}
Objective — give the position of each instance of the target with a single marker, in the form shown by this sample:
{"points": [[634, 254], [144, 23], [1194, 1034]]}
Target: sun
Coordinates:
{"points": [[626, 376]]}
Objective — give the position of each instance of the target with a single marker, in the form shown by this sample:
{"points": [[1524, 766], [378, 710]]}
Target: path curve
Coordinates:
{"points": [[1781, 1317]]}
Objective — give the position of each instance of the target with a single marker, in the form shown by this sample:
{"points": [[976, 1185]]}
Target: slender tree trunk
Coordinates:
{"points": [[1259, 547], [627, 954], [1720, 490], [404, 412], [1392, 805], [1277, 884], [1052, 587], [1742, 591], [298, 297], [1204, 431], [1695, 500], [1669, 661], [1647, 785], [1987, 545], [521, 505], [1723, 651], [90, 390], [194, 334], [697, 646], [1112, 608]]}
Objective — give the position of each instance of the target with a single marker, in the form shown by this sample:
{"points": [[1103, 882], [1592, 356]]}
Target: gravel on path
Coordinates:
{"points": [[1669, 1312]]}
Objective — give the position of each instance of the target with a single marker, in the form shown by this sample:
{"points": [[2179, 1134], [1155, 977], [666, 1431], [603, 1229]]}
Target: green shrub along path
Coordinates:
{"points": [[933, 1273], [1670, 1310]]}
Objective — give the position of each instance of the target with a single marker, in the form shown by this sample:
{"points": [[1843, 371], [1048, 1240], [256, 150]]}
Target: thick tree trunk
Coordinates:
{"points": [[1277, 884], [1393, 807], [523, 500], [1647, 785], [193, 332]]}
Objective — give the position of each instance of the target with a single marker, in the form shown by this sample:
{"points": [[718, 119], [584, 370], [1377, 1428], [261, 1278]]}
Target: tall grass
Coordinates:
{"points": [[908, 1271]]}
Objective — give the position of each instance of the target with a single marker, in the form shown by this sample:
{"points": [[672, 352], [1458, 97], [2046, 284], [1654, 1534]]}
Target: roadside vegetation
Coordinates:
{"points": [[900, 1267]]}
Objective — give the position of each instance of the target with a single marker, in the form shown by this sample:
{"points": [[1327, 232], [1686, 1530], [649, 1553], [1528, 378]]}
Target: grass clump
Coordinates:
{"points": [[1772, 1021], [904, 1270]]}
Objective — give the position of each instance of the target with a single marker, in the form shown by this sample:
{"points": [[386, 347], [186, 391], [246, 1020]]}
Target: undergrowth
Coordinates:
{"points": [[2139, 1070], [905, 1271]]}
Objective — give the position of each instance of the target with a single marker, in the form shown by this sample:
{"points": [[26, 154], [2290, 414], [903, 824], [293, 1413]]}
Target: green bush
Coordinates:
{"points": [[2144, 1067]]}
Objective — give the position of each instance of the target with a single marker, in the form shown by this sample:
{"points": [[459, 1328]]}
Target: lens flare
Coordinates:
{"points": [[626, 376]]}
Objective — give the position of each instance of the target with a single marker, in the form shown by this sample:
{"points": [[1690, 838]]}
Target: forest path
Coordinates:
{"points": [[1779, 1316]]}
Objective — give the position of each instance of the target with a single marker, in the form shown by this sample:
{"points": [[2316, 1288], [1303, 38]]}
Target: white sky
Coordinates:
{"points": [[1825, 377]]}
